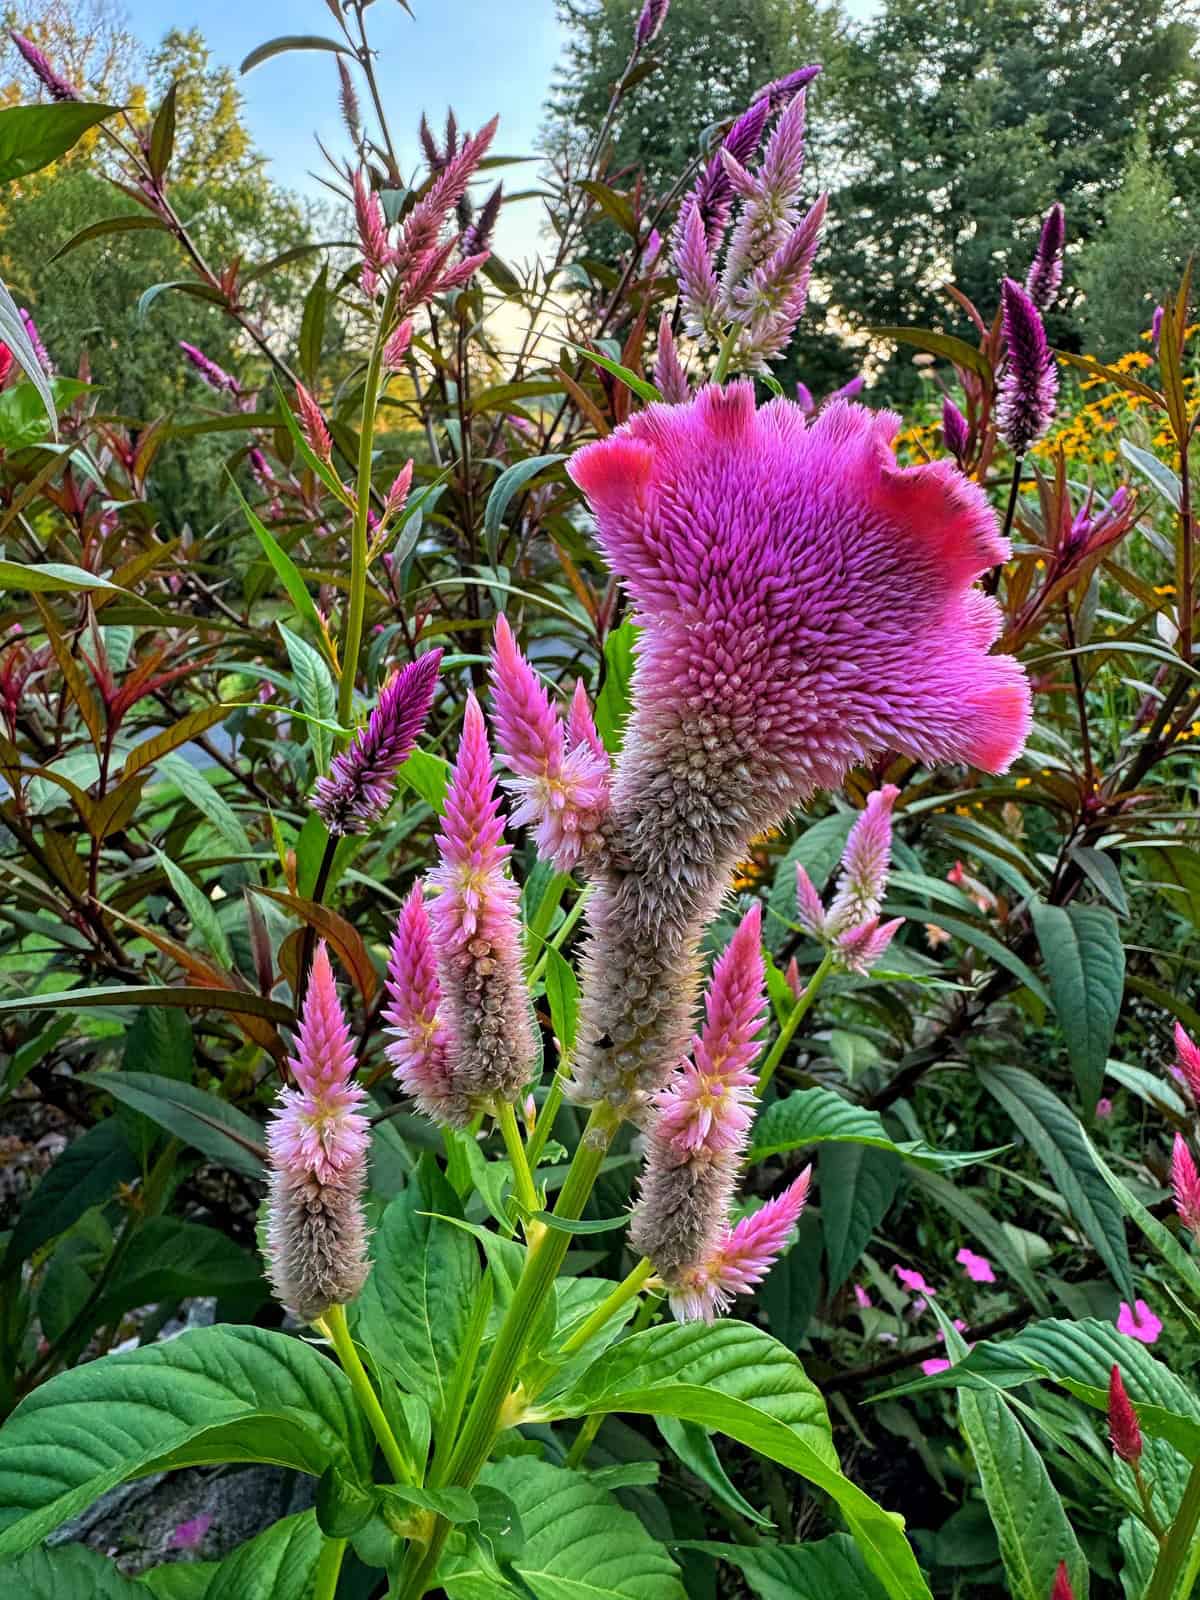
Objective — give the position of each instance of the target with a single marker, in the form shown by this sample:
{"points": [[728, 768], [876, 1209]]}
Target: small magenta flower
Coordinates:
{"points": [[1188, 1055], [862, 1298], [1124, 1430], [913, 1281], [189, 1535], [653, 15], [1185, 1182], [37, 59], [956, 430], [420, 1044], [1138, 1322], [477, 932], [1044, 278], [312, 424], [317, 1151], [215, 376], [1029, 385], [977, 1268], [1104, 1109], [742, 1257], [359, 787], [805, 604], [861, 948], [934, 1365], [563, 792]]}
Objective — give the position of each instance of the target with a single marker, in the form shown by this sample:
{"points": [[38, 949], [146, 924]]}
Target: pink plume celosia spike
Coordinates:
{"points": [[670, 379], [581, 726], [743, 1257], [1189, 1060], [810, 912], [865, 863], [563, 792], [1185, 1181], [324, 1056], [372, 227], [477, 932], [312, 424], [1029, 385], [420, 1042], [858, 949], [698, 287]]}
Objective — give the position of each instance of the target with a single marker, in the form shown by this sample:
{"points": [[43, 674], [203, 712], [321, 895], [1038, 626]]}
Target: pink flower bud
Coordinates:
{"points": [[312, 424], [1185, 1181], [1124, 1431]]}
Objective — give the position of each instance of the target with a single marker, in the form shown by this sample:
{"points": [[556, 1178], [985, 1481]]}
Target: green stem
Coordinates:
{"points": [[543, 917], [1175, 1551], [356, 611], [560, 938], [484, 1419], [333, 1324], [544, 1125], [629, 1286], [329, 1567], [583, 1439], [725, 354], [523, 1186], [799, 1012]]}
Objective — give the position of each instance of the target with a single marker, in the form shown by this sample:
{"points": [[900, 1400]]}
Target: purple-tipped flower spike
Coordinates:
{"points": [[781, 91], [1029, 386], [653, 15], [1185, 1182], [420, 1041], [563, 792], [773, 298], [810, 911], [359, 787], [956, 430], [1044, 278], [742, 1257], [317, 1152], [670, 379], [477, 932], [216, 377], [699, 290], [804, 399], [850, 390], [712, 196], [397, 495], [859, 949], [477, 238], [768, 214], [37, 59], [1124, 1430], [35, 339], [866, 862], [371, 223], [398, 344]]}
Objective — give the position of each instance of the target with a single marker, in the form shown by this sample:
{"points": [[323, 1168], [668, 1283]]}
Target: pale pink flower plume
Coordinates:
{"points": [[420, 1041], [810, 909], [977, 1268], [861, 948], [913, 1281], [1185, 1182], [1138, 1322], [743, 1257], [1189, 1060], [805, 605], [581, 726], [312, 424], [670, 378], [476, 931], [865, 863], [563, 793]]}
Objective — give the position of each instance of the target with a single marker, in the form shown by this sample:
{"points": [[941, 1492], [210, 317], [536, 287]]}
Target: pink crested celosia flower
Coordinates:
{"points": [[1185, 1182], [742, 1257], [1138, 1322], [477, 931], [977, 1268], [215, 376], [805, 604], [859, 949], [1188, 1055], [419, 1049], [563, 789]]}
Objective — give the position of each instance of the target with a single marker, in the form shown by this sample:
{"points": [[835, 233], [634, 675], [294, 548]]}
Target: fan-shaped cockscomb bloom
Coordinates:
{"points": [[1188, 1054], [1185, 1181], [358, 789], [743, 1257], [1029, 383], [805, 605], [562, 789], [477, 932], [317, 1151], [419, 1049], [1044, 278]]}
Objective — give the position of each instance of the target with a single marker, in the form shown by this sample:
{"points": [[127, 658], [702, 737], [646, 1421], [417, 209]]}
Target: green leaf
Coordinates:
{"points": [[580, 1544], [830, 1569], [285, 567], [822, 1116], [278, 1564], [213, 1395], [562, 992], [151, 994], [618, 207], [582, 1225], [428, 776], [940, 344], [986, 943], [615, 697], [1085, 962], [1056, 1137], [128, 222], [188, 727], [735, 1378], [69, 1572], [23, 420], [86, 1174], [15, 335], [694, 1447], [318, 695], [212, 1125], [1156, 472], [417, 1304], [207, 799], [291, 41], [1025, 1508], [162, 134], [980, 1221], [1104, 873], [31, 137], [201, 912], [169, 1260], [54, 577], [509, 483], [312, 324], [858, 1184], [309, 456], [644, 391]]}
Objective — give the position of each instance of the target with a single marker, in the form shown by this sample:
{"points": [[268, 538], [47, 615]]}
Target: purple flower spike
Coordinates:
{"points": [[37, 59], [358, 789], [781, 91], [956, 430], [1044, 278], [1029, 386], [214, 376], [653, 15]]}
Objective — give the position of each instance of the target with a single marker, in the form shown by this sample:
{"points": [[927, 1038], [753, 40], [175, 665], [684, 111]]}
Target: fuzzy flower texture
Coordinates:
{"points": [[850, 930], [805, 605], [317, 1150]]}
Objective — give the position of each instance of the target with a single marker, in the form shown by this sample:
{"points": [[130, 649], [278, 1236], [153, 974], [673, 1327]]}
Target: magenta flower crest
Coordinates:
{"points": [[1124, 1430], [1044, 278], [318, 1127], [1029, 383], [805, 605], [781, 91], [419, 1047], [563, 792], [359, 787], [742, 1258]]}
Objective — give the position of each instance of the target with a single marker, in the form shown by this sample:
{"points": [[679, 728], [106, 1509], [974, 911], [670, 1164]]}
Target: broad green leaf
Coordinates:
{"points": [[617, 206], [23, 419], [207, 799], [16, 336], [277, 1564], [428, 776], [201, 912], [128, 222], [188, 727], [285, 567], [1025, 1508], [212, 1395], [201, 1119], [615, 697], [1157, 472], [318, 695], [1104, 873], [69, 1572], [1174, 869], [822, 1116], [579, 1543], [31, 137], [150, 994], [510, 482], [312, 325], [1085, 963], [829, 1569], [169, 1260], [644, 391], [562, 992], [694, 1447], [416, 1306], [291, 41], [1056, 1137], [735, 1378], [53, 577], [857, 1185], [86, 1174]]}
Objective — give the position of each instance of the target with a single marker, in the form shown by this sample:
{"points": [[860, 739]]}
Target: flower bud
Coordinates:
{"points": [[1124, 1432]]}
